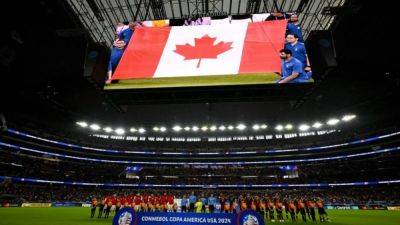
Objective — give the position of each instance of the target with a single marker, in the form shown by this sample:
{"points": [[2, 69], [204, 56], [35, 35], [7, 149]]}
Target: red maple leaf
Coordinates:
{"points": [[203, 48]]}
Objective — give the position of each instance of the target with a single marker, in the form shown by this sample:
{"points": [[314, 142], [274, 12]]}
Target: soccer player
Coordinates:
{"points": [[292, 69], [184, 203], [198, 206], [145, 203], [211, 203], [93, 207], [263, 208], [311, 210], [101, 208], [293, 27], [108, 209], [323, 216], [298, 50], [227, 206], [192, 201], [286, 204], [279, 211], [118, 205], [248, 200], [170, 202], [138, 201], [271, 211], [243, 205], [152, 202], [175, 207], [158, 205], [302, 210], [257, 204], [292, 211], [253, 206], [235, 206], [204, 203]]}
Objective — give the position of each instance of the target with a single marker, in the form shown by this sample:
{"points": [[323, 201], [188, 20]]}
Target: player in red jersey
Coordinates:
{"points": [[302, 208], [170, 201], [138, 201], [271, 210], [279, 211], [292, 211], [93, 207], [323, 216], [311, 210]]}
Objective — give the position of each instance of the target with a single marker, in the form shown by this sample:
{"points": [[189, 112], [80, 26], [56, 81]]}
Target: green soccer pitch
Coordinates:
{"points": [[80, 216]]}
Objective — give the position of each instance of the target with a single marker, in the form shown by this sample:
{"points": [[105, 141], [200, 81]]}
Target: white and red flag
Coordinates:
{"points": [[229, 49]]}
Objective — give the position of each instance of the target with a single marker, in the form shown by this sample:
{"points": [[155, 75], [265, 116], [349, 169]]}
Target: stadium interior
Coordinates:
{"points": [[66, 141]]}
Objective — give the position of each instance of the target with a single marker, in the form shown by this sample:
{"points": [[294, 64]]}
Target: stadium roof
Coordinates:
{"points": [[99, 17]]}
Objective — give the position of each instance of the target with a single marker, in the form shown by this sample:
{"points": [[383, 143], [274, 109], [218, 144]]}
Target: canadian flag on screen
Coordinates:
{"points": [[232, 49]]}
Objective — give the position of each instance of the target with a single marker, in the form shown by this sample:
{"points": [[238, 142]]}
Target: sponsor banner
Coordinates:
{"points": [[86, 205], [373, 207], [127, 216], [342, 207], [36, 204], [65, 204], [7, 205], [395, 208]]}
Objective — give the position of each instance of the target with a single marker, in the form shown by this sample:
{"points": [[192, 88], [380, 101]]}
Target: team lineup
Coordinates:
{"points": [[271, 209]]}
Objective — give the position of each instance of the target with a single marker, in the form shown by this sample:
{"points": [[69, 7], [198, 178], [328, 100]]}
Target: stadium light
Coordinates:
{"points": [[133, 130], [241, 127], [348, 117], [204, 128], [120, 131], [289, 126], [187, 128], [156, 129], [230, 127], [222, 128], [195, 128], [317, 125], [279, 127], [264, 126], [333, 121], [163, 129], [95, 127], [213, 128], [177, 128], [107, 129], [82, 124], [142, 130], [304, 127], [256, 127]]}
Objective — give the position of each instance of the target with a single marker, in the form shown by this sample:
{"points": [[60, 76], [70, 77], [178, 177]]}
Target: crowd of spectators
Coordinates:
{"points": [[339, 195], [382, 167]]}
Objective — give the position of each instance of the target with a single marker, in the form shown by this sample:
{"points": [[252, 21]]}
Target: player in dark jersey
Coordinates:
{"points": [[292, 211], [271, 211], [101, 208], [286, 209], [108, 209], [323, 216], [279, 211], [93, 207], [302, 210], [118, 206], [311, 209], [307, 209]]}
